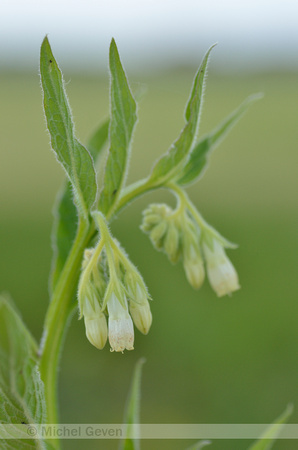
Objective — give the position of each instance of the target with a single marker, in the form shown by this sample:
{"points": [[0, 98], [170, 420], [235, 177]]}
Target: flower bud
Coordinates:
{"points": [[138, 295], [221, 272], [192, 258], [171, 243], [153, 215], [157, 234], [95, 323], [194, 266], [141, 315], [121, 334], [149, 222], [97, 330]]}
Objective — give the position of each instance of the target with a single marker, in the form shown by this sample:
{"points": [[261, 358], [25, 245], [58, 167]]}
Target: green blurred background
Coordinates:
{"points": [[209, 360]]}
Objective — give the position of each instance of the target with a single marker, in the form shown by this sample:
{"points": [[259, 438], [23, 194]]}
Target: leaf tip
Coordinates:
{"points": [[46, 53], [255, 97], [289, 409], [113, 46], [45, 42]]}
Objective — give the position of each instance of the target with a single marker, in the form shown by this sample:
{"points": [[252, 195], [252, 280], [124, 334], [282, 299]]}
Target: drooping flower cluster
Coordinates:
{"points": [[111, 286], [177, 233]]}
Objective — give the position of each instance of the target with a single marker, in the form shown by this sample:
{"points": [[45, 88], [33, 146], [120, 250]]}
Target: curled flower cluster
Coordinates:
{"points": [[176, 233], [111, 286]]}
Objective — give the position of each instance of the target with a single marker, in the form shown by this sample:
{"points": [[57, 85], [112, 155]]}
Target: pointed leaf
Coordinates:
{"points": [[98, 139], [65, 213], [171, 163], [75, 158], [199, 156], [270, 435], [132, 410], [21, 389], [123, 119]]}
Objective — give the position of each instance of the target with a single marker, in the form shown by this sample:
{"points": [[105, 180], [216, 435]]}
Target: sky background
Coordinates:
{"points": [[253, 34]]}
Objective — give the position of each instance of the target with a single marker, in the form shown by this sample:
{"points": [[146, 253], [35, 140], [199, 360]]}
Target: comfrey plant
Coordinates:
{"points": [[90, 268]]}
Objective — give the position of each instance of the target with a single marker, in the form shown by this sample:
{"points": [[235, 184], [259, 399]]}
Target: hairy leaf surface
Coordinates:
{"points": [[73, 156], [122, 122], [21, 389], [171, 163], [199, 156]]}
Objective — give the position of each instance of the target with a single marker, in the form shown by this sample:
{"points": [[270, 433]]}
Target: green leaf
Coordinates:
{"points": [[65, 213], [199, 156], [132, 410], [123, 119], [171, 163], [64, 231], [21, 389], [75, 158], [199, 445], [98, 139], [266, 441]]}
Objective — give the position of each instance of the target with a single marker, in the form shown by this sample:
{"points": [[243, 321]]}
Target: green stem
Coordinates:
{"points": [[58, 314], [130, 193], [61, 306], [184, 199]]}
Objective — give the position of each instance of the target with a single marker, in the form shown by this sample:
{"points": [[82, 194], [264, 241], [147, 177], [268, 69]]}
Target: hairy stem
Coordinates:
{"points": [[58, 314], [130, 193], [62, 306]]}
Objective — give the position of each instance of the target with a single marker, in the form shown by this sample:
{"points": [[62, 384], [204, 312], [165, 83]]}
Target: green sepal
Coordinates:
{"points": [[122, 122], [73, 156], [209, 234], [171, 163], [199, 156]]}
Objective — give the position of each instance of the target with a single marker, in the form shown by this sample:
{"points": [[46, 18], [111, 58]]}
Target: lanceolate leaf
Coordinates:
{"points": [[65, 213], [21, 389], [98, 139], [270, 435], [132, 410], [200, 154], [122, 122], [171, 163], [75, 159]]}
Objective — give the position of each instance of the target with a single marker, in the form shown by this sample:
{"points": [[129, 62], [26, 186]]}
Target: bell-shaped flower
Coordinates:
{"points": [[121, 333], [138, 305], [221, 272], [95, 320], [193, 262]]}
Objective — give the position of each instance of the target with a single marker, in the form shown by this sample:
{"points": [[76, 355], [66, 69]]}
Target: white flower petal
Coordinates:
{"points": [[221, 272], [121, 333]]}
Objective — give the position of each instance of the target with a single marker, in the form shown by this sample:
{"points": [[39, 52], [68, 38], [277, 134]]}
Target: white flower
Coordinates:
{"points": [[121, 334], [95, 324], [221, 272]]}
